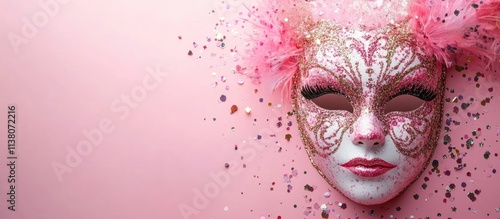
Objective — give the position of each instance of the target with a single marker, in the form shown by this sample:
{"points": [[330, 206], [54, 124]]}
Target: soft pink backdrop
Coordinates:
{"points": [[68, 76]]}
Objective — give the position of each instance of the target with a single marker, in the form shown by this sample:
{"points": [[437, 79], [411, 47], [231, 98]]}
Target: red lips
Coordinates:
{"points": [[368, 168]]}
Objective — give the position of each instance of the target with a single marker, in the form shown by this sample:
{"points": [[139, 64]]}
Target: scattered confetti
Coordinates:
{"points": [[471, 196], [487, 155], [343, 205], [234, 108], [222, 98], [308, 188]]}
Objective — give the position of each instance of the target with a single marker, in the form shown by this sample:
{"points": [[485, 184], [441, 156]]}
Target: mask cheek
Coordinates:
{"points": [[408, 169], [330, 169], [412, 132], [326, 131], [322, 131], [312, 119]]}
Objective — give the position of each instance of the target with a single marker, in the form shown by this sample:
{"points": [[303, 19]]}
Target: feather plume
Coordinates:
{"points": [[276, 48], [458, 27]]}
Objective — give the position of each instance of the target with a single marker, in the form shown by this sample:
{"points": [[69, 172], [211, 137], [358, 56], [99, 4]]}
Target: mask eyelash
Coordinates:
{"points": [[310, 92], [417, 91]]}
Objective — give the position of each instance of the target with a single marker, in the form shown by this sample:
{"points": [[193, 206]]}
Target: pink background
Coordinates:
{"points": [[162, 155]]}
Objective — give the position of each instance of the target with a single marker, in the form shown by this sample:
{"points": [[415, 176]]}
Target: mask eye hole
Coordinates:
{"points": [[332, 101], [403, 103]]}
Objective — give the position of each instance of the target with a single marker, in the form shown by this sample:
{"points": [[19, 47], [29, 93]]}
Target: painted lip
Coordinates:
{"points": [[368, 168]]}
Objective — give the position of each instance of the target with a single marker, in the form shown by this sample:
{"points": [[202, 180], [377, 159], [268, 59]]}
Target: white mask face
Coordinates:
{"points": [[369, 108]]}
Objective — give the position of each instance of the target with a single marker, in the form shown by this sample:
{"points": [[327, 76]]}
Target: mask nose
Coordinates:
{"points": [[368, 131]]}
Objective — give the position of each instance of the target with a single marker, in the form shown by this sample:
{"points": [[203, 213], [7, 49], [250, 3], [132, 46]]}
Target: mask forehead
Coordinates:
{"points": [[366, 60]]}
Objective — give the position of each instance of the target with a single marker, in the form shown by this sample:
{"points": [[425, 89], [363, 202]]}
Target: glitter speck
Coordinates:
{"points": [[343, 205], [465, 105], [309, 188], [471, 196], [469, 142], [234, 108], [446, 139], [223, 98], [435, 163], [219, 36], [487, 155]]}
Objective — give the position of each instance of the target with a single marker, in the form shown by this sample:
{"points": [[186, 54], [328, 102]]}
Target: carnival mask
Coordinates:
{"points": [[350, 103]]}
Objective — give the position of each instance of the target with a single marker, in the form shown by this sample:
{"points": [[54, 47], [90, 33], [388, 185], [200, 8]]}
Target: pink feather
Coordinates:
{"points": [[457, 27], [275, 50], [489, 17]]}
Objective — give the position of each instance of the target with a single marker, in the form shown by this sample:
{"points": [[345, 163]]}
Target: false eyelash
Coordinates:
{"points": [[418, 91], [310, 93]]}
